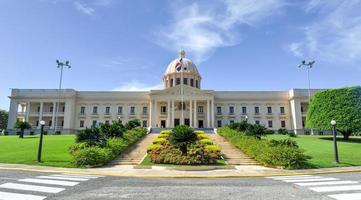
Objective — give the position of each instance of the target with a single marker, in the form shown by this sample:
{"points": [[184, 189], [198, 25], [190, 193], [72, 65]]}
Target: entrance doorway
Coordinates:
{"points": [[162, 123], [186, 122], [200, 123], [176, 122]]}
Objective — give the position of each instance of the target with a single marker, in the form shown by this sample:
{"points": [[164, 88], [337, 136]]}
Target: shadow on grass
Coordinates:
{"points": [[350, 140]]}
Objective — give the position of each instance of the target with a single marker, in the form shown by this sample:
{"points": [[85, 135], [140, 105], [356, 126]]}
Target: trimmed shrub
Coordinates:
{"points": [[202, 136], [285, 153], [165, 132], [199, 132], [269, 132], [163, 136], [153, 147], [134, 134], [117, 145], [213, 148], [282, 131], [206, 141], [159, 141], [92, 156]]}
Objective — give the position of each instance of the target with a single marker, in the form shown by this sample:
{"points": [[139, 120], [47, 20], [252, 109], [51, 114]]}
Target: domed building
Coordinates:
{"points": [[181, 101]]}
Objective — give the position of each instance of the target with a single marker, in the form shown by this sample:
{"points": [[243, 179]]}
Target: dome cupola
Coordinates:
{"points": [[179, 68]]}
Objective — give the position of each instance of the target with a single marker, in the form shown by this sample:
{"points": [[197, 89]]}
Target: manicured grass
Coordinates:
{"points": [[147, 162], [24, 151], [320, 148]]}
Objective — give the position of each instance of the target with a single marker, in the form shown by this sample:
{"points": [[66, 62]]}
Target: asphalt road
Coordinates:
{"points": [[18, 185]]}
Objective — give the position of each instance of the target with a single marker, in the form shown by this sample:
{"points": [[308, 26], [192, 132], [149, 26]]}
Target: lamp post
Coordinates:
{"points": [[119, 120], [246, 118], [42, 123], [308, 65], [334, 131], [61, 66]]}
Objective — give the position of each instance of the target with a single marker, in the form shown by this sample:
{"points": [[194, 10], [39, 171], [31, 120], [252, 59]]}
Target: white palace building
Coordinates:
{"points": [[160, 108]]}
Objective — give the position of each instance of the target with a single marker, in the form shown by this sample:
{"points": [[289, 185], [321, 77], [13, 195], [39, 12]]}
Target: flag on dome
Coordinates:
{"points": [[178, 66]]}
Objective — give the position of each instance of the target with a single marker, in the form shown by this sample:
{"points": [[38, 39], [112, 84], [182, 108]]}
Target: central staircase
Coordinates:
{"points": [[230, 153]]}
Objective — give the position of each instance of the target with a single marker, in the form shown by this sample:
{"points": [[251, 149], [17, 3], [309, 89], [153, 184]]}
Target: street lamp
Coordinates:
{"points": [[118, 119], [246, 118], [61, 66], [308, 65], [334, 131], [42, 123]]}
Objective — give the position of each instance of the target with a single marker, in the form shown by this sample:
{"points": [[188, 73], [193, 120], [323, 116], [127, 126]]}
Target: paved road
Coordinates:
{"points": [[18, 185]]}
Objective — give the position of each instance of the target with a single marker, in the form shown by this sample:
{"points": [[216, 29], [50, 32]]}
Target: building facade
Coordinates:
{"points": [[182, 101]]}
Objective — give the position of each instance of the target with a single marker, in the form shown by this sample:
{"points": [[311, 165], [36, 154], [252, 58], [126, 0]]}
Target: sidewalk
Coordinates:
{"points": [[185, 172]]}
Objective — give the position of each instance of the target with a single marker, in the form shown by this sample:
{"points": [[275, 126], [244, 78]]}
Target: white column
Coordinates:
{"points": [[190, 114], [195, 124], [212, 113], [168, 114], [208, 114], [151, 113], [41, 112], [172, 120], [155, 119], [296, 115], [13, 112], [27, 111], [53, 116]]}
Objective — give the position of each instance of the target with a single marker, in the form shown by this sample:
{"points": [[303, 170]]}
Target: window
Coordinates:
{"points": [[282, 110], [107, 110], [62, 122], [269, 110], [283, 124], [95, 110], [145, 110], [171, 82], [219, 123], [200, 109], [120, 110], [106, 122], [178, 81], [144, 123], [38, 108], [163, 109], [63, 110], [50, 122], [51, 109], [231, 110], [94, 122], [219, 110], [270, 123], [197, 86], [185, 81], [81, 123], [37, 123], [257, 122], [303, 123], [231, 121], [192, 82], [82, 110], [132, 110], [244, 110], [256, 110]]}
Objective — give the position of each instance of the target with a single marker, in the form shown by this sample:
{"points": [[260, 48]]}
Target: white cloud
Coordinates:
{"points": [[201, 29], [84, 8], [335, 36], [135, 85]]}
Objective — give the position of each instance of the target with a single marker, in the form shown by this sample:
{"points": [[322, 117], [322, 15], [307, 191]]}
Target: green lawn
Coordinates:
{"points": [[24, 151], [320, 148]]}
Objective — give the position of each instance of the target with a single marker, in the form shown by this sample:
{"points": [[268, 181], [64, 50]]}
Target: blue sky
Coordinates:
{"points": [[127, 45]]}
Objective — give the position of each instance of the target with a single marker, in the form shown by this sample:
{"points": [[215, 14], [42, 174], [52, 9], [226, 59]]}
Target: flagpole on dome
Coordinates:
{"points": [[181, 55]]}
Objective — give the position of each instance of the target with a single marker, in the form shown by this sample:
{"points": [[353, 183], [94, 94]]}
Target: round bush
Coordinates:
{"points": [[92, 156], [206, 141]]}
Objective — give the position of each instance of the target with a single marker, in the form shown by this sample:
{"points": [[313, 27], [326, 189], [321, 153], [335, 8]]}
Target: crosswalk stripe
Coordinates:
{"points": [[16, 196], [310, 180], [51, 182], [352, 196], [35, 188], [326, 183], [287, 177], [77, 175], [336, 188], [63, 178], [299, 178]]}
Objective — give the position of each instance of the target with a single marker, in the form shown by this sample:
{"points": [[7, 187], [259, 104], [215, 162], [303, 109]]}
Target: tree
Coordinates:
{"points": [[256, 130], [3, 119], [132, 124], [22, 125], [116, 129], [342, 105], [181, 136]]}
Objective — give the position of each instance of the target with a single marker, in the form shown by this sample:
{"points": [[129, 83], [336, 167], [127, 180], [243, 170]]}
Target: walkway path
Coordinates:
{"points": [[135, 154], [231, 154]]}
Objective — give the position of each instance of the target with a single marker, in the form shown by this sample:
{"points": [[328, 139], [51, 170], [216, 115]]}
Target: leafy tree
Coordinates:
{"points": [[239, 126], [3, 119], [342, 105], [132, 124], [181, 136], [116, 129], [256, 130], [22, 125], [92, 137]]}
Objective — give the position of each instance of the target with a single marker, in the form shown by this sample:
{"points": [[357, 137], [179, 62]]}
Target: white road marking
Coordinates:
{"points": [[51, 182], [63, 178], [36, 188], [288, 177], [310, 180], [77, 175], [327, 183], [336, 188], [352, 196], [16, 196], [299, 178]]}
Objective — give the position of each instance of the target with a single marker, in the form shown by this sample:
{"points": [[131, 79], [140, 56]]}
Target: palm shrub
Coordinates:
{"points": [[256, 130], [182, 136], [116, 129], [22, 125], [239, 126], [92, 137], [132, 124]]}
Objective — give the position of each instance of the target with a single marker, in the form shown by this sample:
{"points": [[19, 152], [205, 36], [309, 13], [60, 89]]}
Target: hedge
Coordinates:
{"points": [[269, 153]]}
